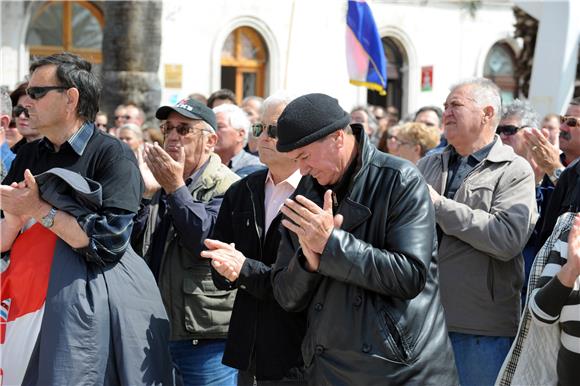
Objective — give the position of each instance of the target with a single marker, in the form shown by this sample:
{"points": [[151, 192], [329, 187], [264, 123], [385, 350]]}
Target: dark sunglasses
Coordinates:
{"points": [[182, 129], [570, 121], [125, 117], [271, 130], [39, 92], [17, 110], [507, 130]]}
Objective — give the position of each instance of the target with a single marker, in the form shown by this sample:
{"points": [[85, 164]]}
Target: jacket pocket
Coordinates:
{"points": [[491, 279], [395, 339], [207, 309], [480, 195]]}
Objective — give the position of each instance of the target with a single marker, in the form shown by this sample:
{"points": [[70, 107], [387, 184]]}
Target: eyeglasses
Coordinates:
{"points": [[271, 130], [507, 130], [569, 121], [38, 92], [125, 117], [401, 143], [182, 129], [17, 110], [391, 137]]}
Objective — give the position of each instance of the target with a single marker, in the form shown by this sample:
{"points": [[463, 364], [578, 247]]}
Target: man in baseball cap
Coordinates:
{"points": [[358, 253], [184, 198]]}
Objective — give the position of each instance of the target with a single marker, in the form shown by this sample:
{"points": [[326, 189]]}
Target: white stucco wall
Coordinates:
{"points": [[306, 43]]}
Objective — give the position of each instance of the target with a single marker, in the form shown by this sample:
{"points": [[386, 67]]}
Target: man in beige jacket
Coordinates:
{"points": [[485, 208]]}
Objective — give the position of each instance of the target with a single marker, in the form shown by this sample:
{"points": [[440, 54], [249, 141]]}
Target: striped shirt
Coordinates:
{"points": [[553, 302]]}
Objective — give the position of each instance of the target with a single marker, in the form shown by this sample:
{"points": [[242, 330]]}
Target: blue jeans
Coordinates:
{"points": [[479, 358], [200, 364]]}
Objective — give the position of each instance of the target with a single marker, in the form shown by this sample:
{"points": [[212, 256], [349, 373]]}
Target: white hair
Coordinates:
{"points": [[236, 116], [281, 97], [485, 93], [136, 129]]}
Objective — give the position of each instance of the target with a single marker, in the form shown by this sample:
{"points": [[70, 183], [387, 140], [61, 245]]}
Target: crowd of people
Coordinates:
{"points": [[285, 241]]}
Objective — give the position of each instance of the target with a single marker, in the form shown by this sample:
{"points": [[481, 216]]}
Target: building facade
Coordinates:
{"points": [[256, 47]]}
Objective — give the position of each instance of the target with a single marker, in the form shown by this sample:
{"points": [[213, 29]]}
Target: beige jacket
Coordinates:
{"points": [[485, 228]]}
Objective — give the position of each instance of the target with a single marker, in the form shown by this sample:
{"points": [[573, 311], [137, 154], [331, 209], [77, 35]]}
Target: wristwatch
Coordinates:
{"points": [[48, 220], [555, 176]]}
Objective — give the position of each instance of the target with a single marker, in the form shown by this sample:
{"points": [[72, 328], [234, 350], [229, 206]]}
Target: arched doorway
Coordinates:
{"points": [[396, 62], [244, 60], [500, 68], [73, 26]]}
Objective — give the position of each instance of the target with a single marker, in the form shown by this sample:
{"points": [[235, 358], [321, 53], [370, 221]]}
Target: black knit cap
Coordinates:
{"points": [[307, 119]]}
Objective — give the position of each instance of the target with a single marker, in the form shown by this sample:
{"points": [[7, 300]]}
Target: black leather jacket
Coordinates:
{"points": [[374, 313]]}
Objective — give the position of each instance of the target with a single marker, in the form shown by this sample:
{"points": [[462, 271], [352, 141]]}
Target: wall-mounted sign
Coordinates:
{"points": [[427, 78], [173, 75]]}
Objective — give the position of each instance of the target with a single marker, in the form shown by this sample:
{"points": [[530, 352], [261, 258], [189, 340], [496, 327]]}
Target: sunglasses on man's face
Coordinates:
{"points": [[569, 121], [182, 129], [508, 130], [271, 130], [17, 110], [39, 92]]}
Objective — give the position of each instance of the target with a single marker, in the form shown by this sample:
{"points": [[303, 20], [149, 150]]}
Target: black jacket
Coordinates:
{"points": [[374, 313], [259, 327], [565, 198]]}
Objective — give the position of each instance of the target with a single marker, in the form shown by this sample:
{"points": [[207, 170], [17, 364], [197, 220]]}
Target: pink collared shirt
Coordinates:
{"points": [[275, 195]]}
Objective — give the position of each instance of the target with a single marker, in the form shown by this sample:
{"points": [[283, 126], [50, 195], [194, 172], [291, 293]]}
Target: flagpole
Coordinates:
{"points": [[288, 45]]}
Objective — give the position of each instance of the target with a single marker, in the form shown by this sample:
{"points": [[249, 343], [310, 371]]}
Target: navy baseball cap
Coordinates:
{"points": [[189, 108]]}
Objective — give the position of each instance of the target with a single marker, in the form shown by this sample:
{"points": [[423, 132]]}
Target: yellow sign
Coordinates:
{"points": [[173, 75]]}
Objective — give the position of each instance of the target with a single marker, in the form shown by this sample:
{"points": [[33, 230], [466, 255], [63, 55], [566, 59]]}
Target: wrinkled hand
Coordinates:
{"points": [[166, 171], [22, 199], [571, 270], [435, 197], [149, 181], [313, 225], [225, 258], [544, 154]]}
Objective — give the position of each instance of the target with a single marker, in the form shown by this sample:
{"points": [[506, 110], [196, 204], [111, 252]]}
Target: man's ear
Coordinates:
{"points": [[488, 113], [243, 134], [73, 96], [210, 142], [4, 121]]}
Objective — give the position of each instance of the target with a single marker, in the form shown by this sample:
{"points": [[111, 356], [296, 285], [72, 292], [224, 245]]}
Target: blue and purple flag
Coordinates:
{"points": [[367, 64]]}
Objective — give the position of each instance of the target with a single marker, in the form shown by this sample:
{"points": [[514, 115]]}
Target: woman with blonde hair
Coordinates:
{"points": [[413, 140]]}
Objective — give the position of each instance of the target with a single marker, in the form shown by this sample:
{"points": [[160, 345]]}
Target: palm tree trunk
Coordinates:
{"points": [[131, 55]]}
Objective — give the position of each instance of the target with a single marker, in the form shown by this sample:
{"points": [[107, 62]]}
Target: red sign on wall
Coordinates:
{"points": [[427, 78]]}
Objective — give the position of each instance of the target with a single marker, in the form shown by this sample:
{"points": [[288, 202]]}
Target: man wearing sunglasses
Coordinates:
{"points": [[90, 217], [485, 208], [566, 196], [250, 217], [20, 114], [177, 213]]}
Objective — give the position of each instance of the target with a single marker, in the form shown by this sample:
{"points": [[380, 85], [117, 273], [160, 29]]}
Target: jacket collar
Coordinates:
{"points": [[498, 153]]}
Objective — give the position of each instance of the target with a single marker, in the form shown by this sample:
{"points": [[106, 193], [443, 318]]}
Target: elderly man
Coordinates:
{"points": [[232, 130], [249, 217], [431, 116], [566, 196], [172, 223], [252, 106], [518, 118], [358, 255], [84, 337], [485, 209]]}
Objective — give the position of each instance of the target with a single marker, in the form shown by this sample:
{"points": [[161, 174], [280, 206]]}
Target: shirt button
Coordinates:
{"points": [[318, 307], [357, 301], [319, 349], [195, 342], [366, 348], [243, 286]]}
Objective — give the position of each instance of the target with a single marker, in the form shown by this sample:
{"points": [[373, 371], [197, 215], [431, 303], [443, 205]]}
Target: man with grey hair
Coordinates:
{"points": [[483, 194], [233, 127], [252, 106], [6, 155], [517, 118], [249, 218]]}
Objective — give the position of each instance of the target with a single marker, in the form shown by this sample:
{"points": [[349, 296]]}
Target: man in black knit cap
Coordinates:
{"points": [[358, 255]]}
